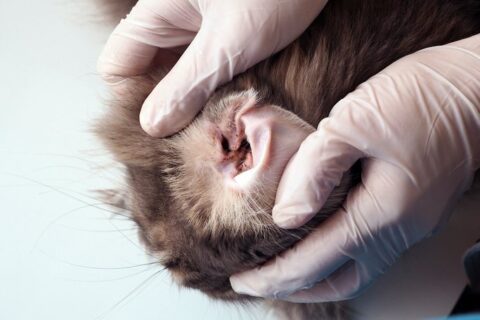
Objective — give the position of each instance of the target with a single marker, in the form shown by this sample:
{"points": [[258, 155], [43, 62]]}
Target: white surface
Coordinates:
{"points": [[57, 243]]}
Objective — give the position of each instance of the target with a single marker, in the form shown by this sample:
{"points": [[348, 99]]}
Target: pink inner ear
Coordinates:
{"points": [[272, 137], [258, 127], [239, 148]]}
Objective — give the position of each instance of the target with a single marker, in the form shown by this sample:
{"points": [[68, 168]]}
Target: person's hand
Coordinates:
{"points": [[224, 38], [416, 127]]}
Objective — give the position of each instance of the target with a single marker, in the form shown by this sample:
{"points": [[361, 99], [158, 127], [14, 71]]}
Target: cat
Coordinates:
{"points": [[202, 198]]}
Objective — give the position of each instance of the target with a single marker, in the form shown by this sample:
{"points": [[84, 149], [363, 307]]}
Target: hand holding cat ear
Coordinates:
{"points": [[416, 127], [224, 38]]}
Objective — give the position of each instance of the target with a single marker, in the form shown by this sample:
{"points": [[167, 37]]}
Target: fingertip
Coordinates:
{"points": [[248, 283], [290, 216], [240, 284], [257, 282], [287, 221], [149, 120], [160, 119]]}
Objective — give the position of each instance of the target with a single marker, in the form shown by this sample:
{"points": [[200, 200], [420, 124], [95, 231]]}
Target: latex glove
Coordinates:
{"points": [[416, 125], [224, 38]]}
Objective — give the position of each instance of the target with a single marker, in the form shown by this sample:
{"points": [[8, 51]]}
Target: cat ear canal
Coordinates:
{"points": [[116, 199]]}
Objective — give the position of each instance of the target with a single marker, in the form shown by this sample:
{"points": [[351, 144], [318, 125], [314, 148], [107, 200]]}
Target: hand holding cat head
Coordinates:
{"points": [[416, 127], [203, 43]]}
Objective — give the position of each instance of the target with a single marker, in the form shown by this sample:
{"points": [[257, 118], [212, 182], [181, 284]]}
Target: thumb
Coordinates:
{"points": [[176, 100], [310, 176]]}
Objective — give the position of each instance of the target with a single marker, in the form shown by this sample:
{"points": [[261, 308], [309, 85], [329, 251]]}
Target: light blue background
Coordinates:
{"points": [[62, 253]]}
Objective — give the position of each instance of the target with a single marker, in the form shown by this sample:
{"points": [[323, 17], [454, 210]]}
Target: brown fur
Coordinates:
{"points": [[348, 43]]}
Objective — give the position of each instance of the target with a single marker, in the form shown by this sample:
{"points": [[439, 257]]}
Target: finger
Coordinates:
{"points": [[150, 25], [353, 130], [377, 237], [346, 283], [361, 232], [312, 173], [175, 101], [208, 61]]}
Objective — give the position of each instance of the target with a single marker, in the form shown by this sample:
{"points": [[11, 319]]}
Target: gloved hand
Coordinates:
{"points": [[416, 127], [224, 38]]}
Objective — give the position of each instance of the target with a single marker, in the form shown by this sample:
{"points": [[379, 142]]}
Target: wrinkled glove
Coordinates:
{"points": [[224, 38], [416, 127]]}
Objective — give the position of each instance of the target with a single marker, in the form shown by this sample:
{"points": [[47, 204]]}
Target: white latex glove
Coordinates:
{"points": [[416, 125], [224, 38]]}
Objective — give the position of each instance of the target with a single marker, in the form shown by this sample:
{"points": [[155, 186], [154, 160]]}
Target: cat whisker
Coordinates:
{"points": [[129, 295], [98, 267], [98, 231], [60, 217], [112, 279], [84, 202]]}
